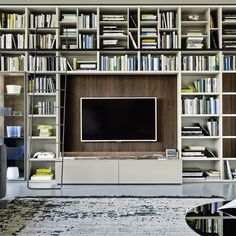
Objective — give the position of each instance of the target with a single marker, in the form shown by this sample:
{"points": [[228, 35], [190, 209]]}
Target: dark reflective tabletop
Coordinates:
{"points": [[208, 220]]}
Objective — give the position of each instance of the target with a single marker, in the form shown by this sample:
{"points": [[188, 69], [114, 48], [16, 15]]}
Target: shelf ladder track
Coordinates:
{"points": [[61, 126]]}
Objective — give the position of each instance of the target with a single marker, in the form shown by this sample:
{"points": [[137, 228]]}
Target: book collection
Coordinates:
{"points": [[203, 105], [69, 17], [42, 174], [197, 151], [158, 62], [200, 63], [12, 20], [42, 20], [148, 31], [12, 41], [16, 63], [42, 41], [87, 21], [87, 41], [106, 17], [203, 85], [149, 43], [43, 84], [229, 62], [168, 40], [148, 17], [194, 173], [41, 63], [211, 129], [69, 32], [168, 19], [45, 108], [194, 40], [119, 63]]}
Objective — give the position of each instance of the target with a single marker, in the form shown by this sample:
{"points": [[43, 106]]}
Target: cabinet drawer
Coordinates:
{"points": [[150, 171]]}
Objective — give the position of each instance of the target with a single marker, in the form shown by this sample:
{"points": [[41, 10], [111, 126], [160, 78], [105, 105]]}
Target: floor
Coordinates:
{"points": [[226, 190]]}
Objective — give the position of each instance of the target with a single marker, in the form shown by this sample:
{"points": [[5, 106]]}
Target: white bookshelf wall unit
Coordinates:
{"points": [[196, 44]]}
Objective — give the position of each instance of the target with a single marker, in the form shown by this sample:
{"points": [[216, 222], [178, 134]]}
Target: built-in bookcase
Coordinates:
{"points": [[194, 43]]}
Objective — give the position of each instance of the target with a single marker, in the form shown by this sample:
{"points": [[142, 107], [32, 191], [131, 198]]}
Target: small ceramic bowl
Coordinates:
{"points": [[193, 17]]}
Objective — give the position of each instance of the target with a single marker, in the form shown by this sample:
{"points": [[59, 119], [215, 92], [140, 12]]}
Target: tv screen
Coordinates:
{"points": [[108, 119]]}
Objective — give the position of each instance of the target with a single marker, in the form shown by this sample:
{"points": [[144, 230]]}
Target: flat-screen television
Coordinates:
{"points": [[118, 119]]}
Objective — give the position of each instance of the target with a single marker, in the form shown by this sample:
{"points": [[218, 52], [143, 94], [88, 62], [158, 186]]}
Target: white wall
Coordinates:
{"points": [[133, 2]]}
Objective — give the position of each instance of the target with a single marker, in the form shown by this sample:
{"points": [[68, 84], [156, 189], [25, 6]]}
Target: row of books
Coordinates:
{"points": [[45, 108], [200, 63], [41, 63], [12, 41], [87, 21], [43, 20], [41, 85], [118, 63], [211, 129], [204, 105], [16, 63], [158, 63], [168, 19], [87, 41], [229, 62], [12, 20], [45, 41], [203, 85], [168, 40]]}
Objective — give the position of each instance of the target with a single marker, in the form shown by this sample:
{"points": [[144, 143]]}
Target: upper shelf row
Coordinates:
{"points": [[118, 27]]}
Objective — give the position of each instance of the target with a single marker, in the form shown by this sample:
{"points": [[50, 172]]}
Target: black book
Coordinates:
{"points": [[214, 40]]}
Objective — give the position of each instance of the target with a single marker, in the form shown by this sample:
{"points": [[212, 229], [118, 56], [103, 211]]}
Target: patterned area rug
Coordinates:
{"points": [[103, 216]]}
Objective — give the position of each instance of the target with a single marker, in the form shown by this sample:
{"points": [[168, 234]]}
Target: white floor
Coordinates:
{"points": [[226, 190]]}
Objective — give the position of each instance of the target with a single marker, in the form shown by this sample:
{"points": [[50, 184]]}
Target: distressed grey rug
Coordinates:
{"points": [[103, 216]]}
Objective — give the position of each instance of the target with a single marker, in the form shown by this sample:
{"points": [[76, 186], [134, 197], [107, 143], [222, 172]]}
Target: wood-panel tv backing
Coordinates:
{"points": [[162, 87]]}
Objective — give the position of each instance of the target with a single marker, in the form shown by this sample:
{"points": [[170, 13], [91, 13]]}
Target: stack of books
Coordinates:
{"points": [[148, 17], [44, 130], [69, 17], [113, 17], [151, 31], [212, 174], [193, 173], [149, 43], [69, 32], [197, 151], [194, 40], [195, 130], [42, 174], [87, 65], [229, 17]]}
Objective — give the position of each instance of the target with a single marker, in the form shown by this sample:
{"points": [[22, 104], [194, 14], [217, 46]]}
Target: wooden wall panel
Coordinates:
{"points": [[162, 87], [229, 147]]}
